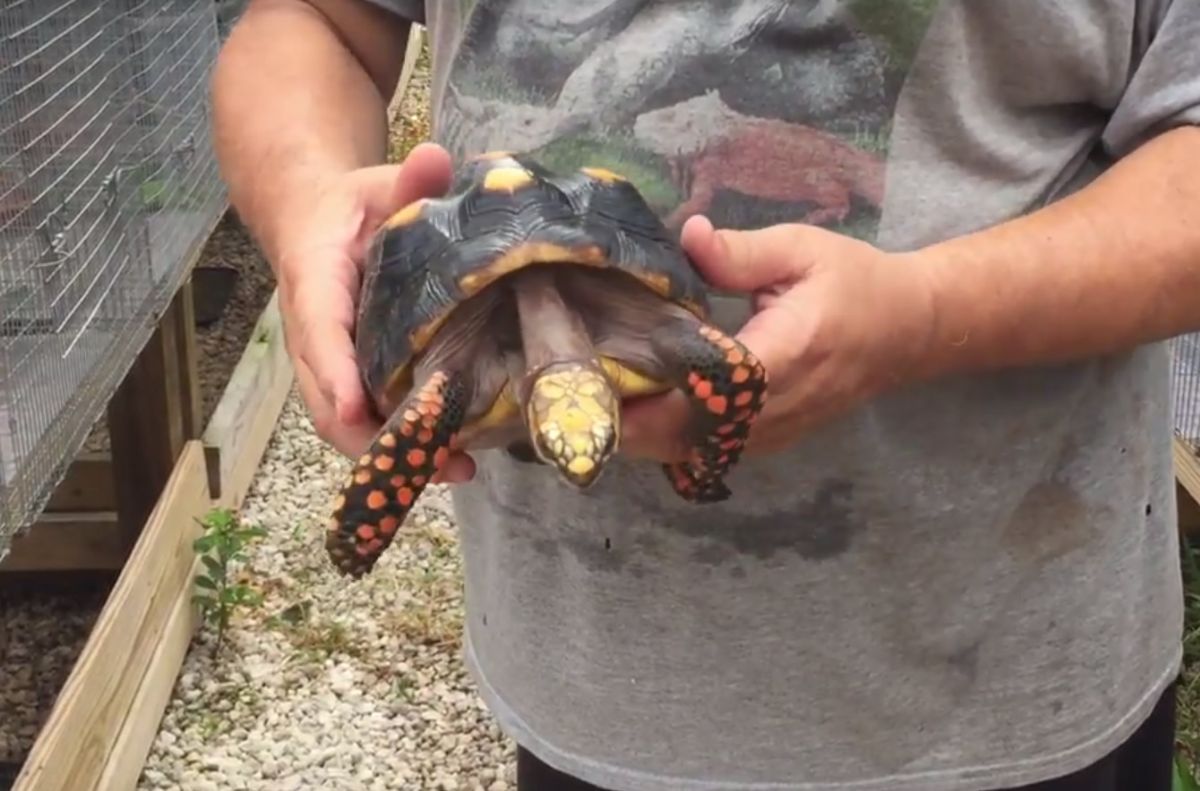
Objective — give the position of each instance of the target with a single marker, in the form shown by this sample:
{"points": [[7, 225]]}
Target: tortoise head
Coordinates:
{"points": [[573, 417]]}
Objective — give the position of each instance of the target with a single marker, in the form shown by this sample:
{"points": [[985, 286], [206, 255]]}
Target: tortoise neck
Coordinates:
{"points": [[551, 330]]}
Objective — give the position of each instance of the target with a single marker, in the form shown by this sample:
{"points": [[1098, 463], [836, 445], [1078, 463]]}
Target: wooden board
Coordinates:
{"points": [[141, 723], [1187, 476], [242, 424], [87, 486], [416, 39], [81, 541], [147, 421], [76, 742]]}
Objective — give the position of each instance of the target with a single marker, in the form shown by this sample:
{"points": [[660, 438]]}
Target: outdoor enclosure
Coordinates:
{"points": [[1185, 390], [108, 187]]}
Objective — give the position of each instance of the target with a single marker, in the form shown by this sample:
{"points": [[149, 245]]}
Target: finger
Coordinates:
{"points": [[744, 260], [323, 308], [349, 439], [426, 171], [655, 428]]}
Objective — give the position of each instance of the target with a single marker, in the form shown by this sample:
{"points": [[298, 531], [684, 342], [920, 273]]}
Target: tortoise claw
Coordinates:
{"points": [[389, 478], [727, 385]]}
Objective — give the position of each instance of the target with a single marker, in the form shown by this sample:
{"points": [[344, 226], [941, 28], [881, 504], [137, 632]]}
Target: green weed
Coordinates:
{"points": [[222, 545]]}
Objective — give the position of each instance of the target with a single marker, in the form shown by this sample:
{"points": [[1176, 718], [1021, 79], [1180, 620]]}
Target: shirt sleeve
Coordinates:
{"points": [[412, 10], [1163, 91]]}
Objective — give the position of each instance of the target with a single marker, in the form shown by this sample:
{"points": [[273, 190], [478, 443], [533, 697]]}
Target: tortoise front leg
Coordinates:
{"points": [[389, 478], [728, 387]]}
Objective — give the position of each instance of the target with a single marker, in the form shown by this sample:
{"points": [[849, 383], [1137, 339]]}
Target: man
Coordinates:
{"points": [[956, 233]]}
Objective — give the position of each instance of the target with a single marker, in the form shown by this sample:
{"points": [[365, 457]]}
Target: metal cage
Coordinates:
{"points": [[1185, 389], [108, 187]]}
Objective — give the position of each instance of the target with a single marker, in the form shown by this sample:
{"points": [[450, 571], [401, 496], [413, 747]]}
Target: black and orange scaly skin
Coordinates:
{"points": [[389, 478], [727, 386]]}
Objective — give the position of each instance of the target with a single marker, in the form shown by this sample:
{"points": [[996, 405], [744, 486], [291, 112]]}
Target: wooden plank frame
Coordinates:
{"points": [[412, 51], [93, 707], [242, 424], [1187, 488], [108, 713]]}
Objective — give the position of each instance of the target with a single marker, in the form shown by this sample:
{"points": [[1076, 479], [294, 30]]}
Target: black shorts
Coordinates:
{"points": [[1143, 763]]}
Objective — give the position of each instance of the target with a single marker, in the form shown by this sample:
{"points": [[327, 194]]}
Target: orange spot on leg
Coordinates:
{"points": [[415, 457], [717, 405], [384, 463], [365, 532], [376, 500], [405, 496], [703, 389]]}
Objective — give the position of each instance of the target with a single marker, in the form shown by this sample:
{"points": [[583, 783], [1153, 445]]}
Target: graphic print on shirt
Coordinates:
{"points": [[751, 112]]}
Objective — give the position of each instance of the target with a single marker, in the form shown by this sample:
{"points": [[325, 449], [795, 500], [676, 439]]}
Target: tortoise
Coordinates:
{"points": [[518, 311]]}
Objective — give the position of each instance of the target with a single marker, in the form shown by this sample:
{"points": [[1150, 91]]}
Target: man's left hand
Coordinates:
{"points": [[836, 321]]}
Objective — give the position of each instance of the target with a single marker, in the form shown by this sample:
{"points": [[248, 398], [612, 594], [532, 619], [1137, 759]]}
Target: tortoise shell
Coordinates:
{"points": [[504, 212]]}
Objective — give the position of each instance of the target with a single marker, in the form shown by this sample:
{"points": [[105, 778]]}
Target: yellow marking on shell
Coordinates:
{"points": [[574, 415], [518, 258], [507, 179], [406, 216], [605, 175], [658, 283]]}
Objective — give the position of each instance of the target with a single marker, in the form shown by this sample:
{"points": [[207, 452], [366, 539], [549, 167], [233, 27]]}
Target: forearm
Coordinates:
{"points": [[294, 108], [1111, 267]]}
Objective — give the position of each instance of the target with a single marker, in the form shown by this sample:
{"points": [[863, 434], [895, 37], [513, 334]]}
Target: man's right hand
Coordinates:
{"points": [[319, 266]]}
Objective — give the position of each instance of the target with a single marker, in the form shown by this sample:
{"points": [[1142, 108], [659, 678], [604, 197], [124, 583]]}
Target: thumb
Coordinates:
{"points": [[384, 189], [744, 260]]}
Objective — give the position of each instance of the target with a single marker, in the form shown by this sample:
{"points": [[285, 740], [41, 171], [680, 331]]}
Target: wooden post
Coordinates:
{"points": [[189, 371], [151, 415], [1187, 488]]}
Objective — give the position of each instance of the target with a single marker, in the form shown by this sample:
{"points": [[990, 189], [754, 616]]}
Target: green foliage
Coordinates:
{"points": [[221, 546], [1188, 726], [648, 172], [1183, 779], [900, 24]]}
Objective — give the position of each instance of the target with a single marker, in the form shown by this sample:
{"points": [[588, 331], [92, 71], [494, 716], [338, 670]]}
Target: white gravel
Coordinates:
{"points": [[332, 685]]}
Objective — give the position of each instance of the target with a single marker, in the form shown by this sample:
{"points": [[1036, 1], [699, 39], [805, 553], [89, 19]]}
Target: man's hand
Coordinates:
{"points": [[319, 273], [836, 322]]}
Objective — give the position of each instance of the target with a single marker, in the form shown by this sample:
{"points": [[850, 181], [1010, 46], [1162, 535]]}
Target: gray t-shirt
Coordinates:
{"points": [[966, 585]]}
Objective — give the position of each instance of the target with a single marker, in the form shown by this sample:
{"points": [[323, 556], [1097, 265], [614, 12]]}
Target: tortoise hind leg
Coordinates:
{"points": [[389, 478], [727, 386]]}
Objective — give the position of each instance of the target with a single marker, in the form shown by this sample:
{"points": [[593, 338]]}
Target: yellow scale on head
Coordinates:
{"points": [[575, 414]]}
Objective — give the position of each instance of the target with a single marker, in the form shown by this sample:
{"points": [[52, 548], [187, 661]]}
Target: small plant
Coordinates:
{"points": [[223, 543], [1183, 779]]}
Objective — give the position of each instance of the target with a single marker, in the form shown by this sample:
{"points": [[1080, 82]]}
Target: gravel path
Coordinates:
{"points": [[332, 685]]}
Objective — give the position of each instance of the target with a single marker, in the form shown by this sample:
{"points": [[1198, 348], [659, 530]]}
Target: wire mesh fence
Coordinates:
{"points": [[1185, 389], [108, 186]]}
